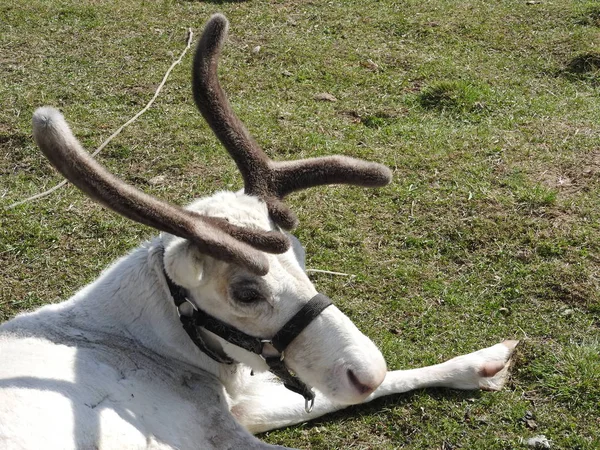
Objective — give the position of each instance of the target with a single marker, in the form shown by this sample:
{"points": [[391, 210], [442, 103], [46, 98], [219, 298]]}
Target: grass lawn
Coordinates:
{"points": [[487, 112]]}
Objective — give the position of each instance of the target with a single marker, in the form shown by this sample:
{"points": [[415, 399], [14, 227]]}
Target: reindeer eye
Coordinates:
{"points": [[248, 295]]}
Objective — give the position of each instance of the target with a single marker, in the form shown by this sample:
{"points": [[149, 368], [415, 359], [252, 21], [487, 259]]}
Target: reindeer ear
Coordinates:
{"points": [[184, 263], [298, 250]]}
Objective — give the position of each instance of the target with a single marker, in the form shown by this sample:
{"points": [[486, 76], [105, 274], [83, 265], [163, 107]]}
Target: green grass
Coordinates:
{"points": [[488, 113]]}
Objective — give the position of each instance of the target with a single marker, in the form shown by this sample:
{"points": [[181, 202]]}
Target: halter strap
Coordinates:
{"points": [[284, 337], [300, 321], [188, 322]]}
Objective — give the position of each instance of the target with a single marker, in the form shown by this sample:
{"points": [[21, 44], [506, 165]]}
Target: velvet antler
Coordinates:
{"points": [[214, 237], [263, 177]]}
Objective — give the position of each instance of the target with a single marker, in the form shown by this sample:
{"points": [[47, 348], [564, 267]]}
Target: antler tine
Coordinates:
{"points": [[216, 109], [252, 162], [301, 174], [213, 236], [263, 177], [304, 173]]}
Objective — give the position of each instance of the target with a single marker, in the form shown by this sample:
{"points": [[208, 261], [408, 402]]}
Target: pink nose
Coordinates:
{"points": [[362, 386]]}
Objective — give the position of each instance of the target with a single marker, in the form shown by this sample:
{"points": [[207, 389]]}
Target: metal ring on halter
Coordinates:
{"points": [[308, 408], [269, 341], [184, 304]]}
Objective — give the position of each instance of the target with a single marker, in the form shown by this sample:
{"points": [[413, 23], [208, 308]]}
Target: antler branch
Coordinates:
{"points": [[265, 178], [216, 109], [214, 237]]}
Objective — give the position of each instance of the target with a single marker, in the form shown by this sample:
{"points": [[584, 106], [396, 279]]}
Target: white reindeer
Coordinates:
{"points": [[180, 344]]}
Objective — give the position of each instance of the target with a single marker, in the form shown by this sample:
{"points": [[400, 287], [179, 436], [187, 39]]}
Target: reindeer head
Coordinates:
{"points": [[231, 252]]}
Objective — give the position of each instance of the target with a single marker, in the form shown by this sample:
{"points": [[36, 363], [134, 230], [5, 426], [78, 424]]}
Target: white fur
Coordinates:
{"points": [[112, 368]]}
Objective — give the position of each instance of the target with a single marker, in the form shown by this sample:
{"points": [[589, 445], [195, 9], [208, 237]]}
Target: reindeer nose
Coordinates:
{"points": [[362, 386]]}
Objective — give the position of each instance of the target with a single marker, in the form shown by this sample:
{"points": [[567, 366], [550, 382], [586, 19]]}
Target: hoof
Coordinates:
{"points": [[495, 373]]}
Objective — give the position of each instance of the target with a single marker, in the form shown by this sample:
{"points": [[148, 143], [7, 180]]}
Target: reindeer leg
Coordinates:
{"points": [[267, 405], [485, 369]]}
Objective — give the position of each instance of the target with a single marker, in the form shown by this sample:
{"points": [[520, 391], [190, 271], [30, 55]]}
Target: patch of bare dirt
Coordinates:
{"points": [[16, 139], [143, 89], [375, 119], [575, 177]]}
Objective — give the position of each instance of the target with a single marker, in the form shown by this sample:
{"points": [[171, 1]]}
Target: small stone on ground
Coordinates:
{"points": [[325, 97], [539, 442]]}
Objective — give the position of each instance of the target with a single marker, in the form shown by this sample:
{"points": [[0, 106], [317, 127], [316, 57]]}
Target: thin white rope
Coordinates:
{"points": [[330, 272], [116, 133]]}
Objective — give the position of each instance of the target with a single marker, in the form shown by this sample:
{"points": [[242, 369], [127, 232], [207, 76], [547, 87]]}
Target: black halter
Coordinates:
{"points": [[196, 318]]}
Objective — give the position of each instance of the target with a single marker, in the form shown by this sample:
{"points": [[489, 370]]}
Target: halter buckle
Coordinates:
{"points": [[309, 407]]}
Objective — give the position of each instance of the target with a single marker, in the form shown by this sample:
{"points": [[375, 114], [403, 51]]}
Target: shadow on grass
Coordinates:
{"points": [[590, 17], [390, 401], [14, 139], [583, 67], [585, 63], [455, 97]]}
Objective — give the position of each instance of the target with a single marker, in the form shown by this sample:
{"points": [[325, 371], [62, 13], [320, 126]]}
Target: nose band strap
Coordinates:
{"points": [[196, 319], [300, 321]]}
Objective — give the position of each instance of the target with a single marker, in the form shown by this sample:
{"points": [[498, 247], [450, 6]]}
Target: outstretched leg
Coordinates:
{"points": [[267, 405]]}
